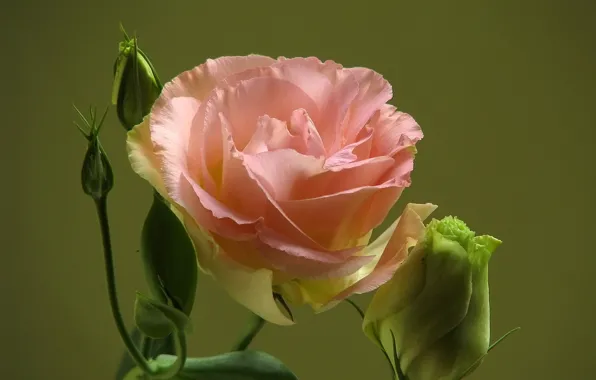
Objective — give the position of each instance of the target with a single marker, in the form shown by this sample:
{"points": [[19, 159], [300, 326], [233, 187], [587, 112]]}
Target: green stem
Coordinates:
{"points": [[102, 213], [256, 326], [154, 371], [171, 370]]}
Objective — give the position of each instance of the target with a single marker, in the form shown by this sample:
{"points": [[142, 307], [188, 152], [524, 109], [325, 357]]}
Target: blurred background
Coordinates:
{"points": [[504, 91]]}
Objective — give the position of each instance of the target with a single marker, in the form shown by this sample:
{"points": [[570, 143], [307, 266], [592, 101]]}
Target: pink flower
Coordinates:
{"points": [[279, 170]]}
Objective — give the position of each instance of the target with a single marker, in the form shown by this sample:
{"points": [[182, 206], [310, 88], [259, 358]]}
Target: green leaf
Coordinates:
{"points": [[157, 320], [169, 257], [240, 365]]}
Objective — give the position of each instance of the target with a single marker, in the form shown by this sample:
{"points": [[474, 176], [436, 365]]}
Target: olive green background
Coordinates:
{"points": [[504, 91]]}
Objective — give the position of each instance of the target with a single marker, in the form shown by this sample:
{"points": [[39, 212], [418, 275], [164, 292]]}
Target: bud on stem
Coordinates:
{"points": [[136, 84], [97, 177]]}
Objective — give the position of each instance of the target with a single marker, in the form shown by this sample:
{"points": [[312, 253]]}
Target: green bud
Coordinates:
{"points": [[136, 84], [97, 177], [433, 317]]}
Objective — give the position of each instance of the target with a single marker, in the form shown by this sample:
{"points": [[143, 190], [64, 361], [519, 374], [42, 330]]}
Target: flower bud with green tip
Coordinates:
{"points": [[432, 318], [97, 177], [136, 84]]}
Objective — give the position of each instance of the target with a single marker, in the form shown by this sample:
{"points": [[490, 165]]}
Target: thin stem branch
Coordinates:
{"points": [[256, 326], [355, 306], [135, 353]]}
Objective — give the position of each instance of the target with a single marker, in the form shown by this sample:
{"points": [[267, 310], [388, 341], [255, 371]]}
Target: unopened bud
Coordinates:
{"points": [[136, 84], [434, 313], [97, 177]]}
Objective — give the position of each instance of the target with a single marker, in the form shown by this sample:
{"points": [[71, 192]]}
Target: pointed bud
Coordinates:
{"points": [[433, 315], [136, 84], [97, 177]]}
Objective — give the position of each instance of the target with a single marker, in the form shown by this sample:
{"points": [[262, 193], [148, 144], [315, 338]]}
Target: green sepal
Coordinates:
{"points": [[158, 320]]}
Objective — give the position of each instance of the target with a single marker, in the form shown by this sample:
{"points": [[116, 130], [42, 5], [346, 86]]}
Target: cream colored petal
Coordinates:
{"points": [[251, 288], [142, 157]]}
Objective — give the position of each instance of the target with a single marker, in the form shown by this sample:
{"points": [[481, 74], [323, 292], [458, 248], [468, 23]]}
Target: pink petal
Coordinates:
{"points": [[331, 87], [351, 176], [281, 254], [408, 229], [357, 151], [284, 242], [302, 125], [236, 184], [373, 92], [243, 252], [201, 80], [402, 168], [272, 250], [363, 145], [211, 214], [173, 113], [279, 242], [280, 171], [245, 103], [336, 221], [341, 158], [393, 130], [271, 134]]}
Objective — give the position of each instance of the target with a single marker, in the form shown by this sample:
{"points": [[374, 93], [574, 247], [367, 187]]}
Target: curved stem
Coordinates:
{"points": [[256, 326], [170, 370], [102, 213], [153, 370]]}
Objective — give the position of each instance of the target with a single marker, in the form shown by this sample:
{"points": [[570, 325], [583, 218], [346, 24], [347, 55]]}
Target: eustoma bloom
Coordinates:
{"points": [[279, 170]]}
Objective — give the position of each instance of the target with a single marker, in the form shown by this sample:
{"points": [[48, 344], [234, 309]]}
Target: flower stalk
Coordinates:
{"points": [[256, 324]]}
